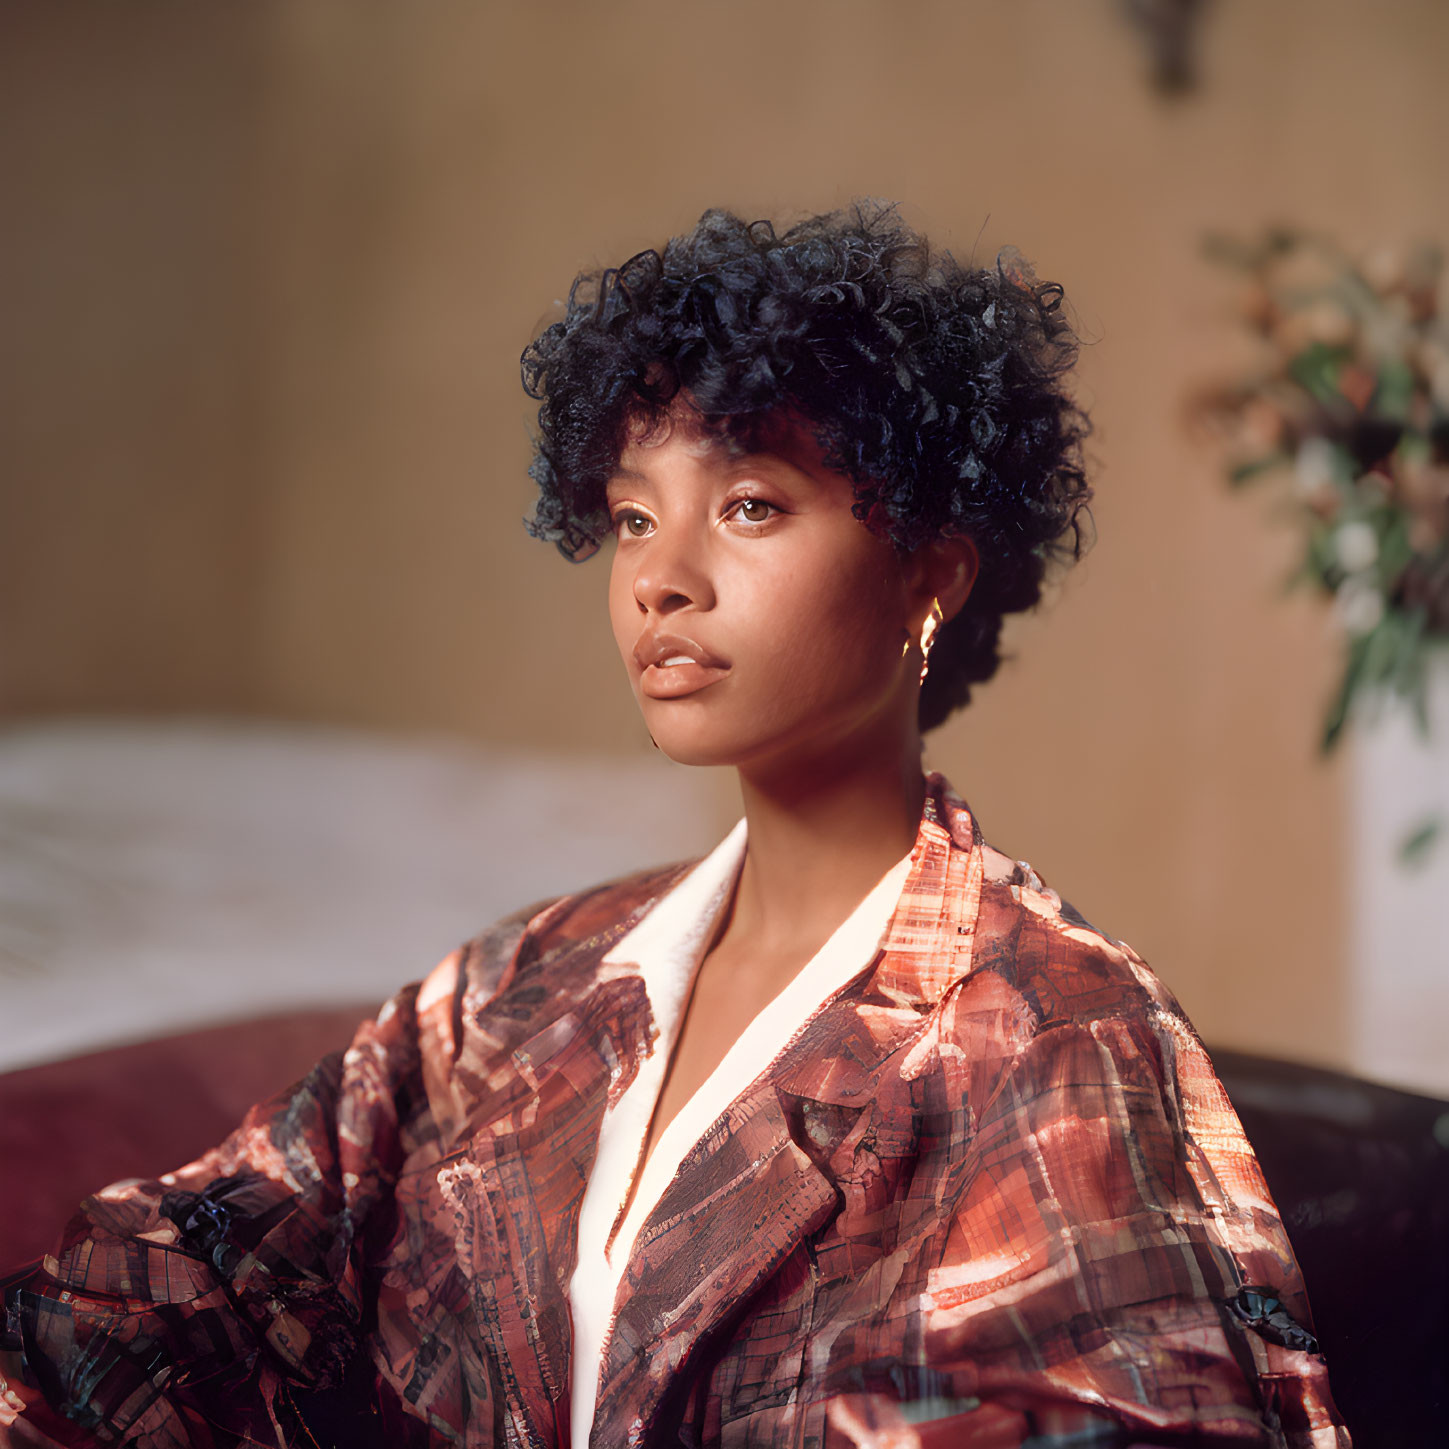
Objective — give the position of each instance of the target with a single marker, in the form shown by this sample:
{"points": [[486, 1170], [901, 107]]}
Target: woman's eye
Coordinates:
{"points": [[635, 525], [753, 510]]}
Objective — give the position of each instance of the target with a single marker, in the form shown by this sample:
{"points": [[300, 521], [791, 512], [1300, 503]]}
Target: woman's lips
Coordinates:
{"points": [[672, 679], [672, 666]]}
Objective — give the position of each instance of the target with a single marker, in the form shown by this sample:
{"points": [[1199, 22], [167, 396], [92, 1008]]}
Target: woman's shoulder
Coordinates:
{"points": [[1087, 1009], [1070, 969], [526, 969]]}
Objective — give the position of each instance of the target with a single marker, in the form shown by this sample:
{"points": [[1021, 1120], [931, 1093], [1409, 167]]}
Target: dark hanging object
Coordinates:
{"points": [[1169, 28]]}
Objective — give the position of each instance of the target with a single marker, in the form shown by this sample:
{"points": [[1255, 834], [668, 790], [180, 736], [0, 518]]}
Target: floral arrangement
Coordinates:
{"points": [[1349, 408]]}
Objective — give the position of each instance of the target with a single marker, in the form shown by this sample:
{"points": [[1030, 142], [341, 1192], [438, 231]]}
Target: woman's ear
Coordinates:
{"points": [[946, 569]]}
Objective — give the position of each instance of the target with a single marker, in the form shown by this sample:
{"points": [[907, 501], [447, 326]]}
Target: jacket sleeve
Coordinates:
{"points": [[202, 1308], [1113, 1270]]}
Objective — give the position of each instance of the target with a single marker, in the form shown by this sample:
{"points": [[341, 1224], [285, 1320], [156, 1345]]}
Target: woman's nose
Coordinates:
{"points": [[672, 577]]}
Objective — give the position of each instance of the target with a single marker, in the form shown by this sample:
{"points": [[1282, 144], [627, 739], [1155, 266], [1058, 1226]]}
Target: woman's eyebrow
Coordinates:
{"points": [[731, 459], [622, 475], [774, 468], [738, 459]]}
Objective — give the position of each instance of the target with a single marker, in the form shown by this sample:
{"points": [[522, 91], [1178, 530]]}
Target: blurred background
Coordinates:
{"points": [[291, 703]]}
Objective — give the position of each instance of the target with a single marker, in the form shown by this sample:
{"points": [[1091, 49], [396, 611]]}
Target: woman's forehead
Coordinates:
{"points": [[779, 434]]}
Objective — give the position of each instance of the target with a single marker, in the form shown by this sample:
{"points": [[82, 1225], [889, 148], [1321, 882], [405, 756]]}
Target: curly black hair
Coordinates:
{"points": [[938, 389]]}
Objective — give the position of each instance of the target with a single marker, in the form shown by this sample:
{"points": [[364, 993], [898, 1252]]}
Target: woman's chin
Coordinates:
{"points": [[694, 752], [696, 742], [688, 742]]}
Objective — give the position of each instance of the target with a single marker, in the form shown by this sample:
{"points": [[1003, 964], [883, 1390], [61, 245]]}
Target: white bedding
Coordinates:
{"points": [[161, 875]]}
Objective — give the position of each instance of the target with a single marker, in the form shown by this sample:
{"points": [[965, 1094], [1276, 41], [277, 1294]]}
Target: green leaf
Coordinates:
{"points": [[1316, 371], [1408, 678], [1419, 699], [1392, 525], [1395, 391], [1414, 446], [1338, 711], [1416, 845], [1242, 473], [1321, 560], [1303, 576], [1381, 651]]}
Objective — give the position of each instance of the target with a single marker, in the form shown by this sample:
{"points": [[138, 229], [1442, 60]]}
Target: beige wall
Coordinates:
{"points": [[267, 270]]}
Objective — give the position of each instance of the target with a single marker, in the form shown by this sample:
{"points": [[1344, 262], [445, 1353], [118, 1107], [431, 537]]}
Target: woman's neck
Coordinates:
{"points": [[818, 842]]}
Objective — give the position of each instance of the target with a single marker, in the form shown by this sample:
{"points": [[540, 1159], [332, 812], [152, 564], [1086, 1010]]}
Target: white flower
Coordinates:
{"points": [[1385, 268], [1328, 322], [1359, 606], [1387, 331], [1356, 545], [1314, 465]]}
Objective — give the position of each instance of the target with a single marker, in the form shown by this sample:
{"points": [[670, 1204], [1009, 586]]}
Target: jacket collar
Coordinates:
{"points": [[930, 941]]}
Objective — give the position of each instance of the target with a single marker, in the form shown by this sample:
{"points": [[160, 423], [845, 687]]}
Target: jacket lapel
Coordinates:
{"points": [[749, 1193], [538, 1063], [741, 1203], [520, 1195]]}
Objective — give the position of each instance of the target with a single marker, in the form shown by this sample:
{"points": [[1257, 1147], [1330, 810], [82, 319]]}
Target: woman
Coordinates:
{"points": [[852, 1133]]}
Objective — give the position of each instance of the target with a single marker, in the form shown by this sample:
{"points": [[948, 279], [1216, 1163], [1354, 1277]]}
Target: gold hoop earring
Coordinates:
{"points": [[929, 631]]}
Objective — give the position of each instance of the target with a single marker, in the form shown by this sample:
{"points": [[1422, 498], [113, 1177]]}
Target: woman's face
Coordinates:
{"points": [[760, 621]]}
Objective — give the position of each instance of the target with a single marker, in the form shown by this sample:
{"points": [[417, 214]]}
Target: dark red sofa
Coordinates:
{"points": [[1360, 1172]]}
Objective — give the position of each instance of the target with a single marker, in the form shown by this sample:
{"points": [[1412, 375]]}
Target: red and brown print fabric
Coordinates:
{"points": [[991, 1194]]}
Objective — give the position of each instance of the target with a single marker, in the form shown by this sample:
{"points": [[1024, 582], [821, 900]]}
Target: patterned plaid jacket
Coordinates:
{"points": [[991, 1194]]}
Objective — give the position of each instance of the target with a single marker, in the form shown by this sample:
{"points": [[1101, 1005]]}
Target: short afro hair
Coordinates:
{"points": [[938, 390]]}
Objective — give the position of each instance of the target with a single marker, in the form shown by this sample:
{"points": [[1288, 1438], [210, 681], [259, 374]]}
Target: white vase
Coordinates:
{"points": [[1399, 1006]]}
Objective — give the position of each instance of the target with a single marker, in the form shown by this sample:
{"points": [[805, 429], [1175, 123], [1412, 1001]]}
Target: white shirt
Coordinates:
{"points": [[666, 948]]}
